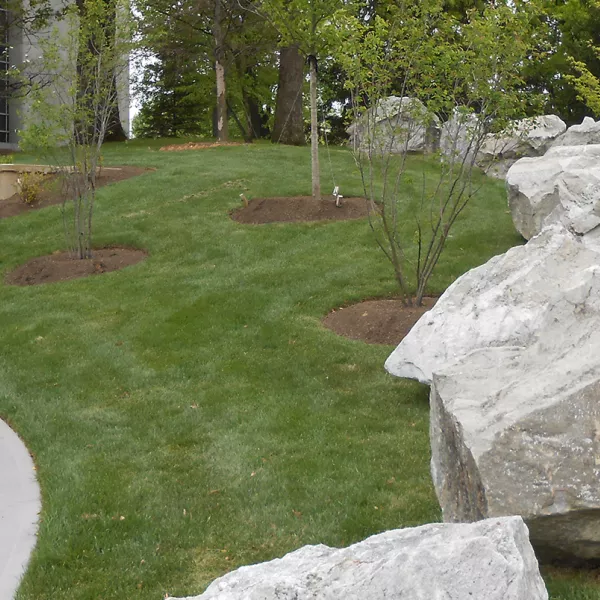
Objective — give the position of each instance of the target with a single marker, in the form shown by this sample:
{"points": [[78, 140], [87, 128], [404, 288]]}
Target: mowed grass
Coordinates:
{"points": [[190, 414]]}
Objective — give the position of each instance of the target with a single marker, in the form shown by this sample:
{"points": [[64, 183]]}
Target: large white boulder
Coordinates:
{"points": [[501, 303], [516, 429], [395, 125], [489, 560], [580, 135], [528, 137], [513, 355], [563, 186]]}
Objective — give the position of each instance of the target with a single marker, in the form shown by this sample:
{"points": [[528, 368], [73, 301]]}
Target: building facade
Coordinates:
{"points": [[19, 49]]}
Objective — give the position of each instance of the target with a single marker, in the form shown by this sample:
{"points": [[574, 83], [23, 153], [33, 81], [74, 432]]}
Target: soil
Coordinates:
{"points": [[376, 321], [197, 146], [61, 266], [51, 192], [298, 209]]}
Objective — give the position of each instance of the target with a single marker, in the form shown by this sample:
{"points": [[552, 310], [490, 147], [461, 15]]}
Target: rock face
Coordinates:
{"points": [[396, 125], [514, 354], [563, 186], [580, 135], [490, 560], [528, 137]]}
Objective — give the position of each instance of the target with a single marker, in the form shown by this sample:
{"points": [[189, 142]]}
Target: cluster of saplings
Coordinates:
{"points": [[476, 63]]}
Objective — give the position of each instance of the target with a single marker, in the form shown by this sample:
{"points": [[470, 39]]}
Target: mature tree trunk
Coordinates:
{"points": [[256, 118], [252, 128], [314, 131], [250, 133], [222, 129], [289, 125], [115, 131]]}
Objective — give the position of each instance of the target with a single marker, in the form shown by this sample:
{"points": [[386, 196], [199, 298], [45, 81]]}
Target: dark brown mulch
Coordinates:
{"points": [[197, 146], [51, 192], [61, 266], [376, 321], [299, 208]]}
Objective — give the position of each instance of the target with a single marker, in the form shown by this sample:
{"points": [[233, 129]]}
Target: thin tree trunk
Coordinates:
{"points": [[255, 118], [288, 127], [314, 131], [245, 133], [222, 129], [245, 74]]}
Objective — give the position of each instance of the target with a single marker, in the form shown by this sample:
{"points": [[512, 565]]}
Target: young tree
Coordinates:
{"points": [[586, 84], [466, 73], [83, 56], [306, 24], [585, 81]]}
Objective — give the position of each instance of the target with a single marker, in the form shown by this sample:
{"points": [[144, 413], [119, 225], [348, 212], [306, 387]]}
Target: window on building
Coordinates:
{"points": [[4, 67]]}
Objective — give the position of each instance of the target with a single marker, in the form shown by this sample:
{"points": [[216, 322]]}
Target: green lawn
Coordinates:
{"points": [[190, 414]]}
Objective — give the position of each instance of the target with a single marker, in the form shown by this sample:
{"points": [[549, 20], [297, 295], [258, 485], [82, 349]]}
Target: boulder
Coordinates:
{"points": [[515, 430], [396, 125], [563, 186], [459, 135], [513, 355], [580, 135], [528, 137], [489, 560], [500, 303]]}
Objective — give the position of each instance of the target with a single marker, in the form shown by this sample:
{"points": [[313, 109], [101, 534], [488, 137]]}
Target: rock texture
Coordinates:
{"points": [[500, 303], [490, 560], [396, 125], [563, 186], [459, 135], [516, 430], [580, 135], [528, 137]]}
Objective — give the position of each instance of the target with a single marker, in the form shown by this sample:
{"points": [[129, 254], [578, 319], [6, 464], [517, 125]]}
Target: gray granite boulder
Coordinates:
{"points": [[563, 186], [580, 135], [500, 303], [489, 560], [396, 125]]}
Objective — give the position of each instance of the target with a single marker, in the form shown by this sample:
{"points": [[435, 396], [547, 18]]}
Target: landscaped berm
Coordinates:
{"points": [[190, 413]]}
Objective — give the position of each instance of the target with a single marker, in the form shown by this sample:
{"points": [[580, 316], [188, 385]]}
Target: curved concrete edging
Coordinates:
{"points": [[19, 508]]}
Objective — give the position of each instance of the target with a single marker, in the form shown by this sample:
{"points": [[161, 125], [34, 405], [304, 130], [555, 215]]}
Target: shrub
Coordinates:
{"points": [[29, 186]]}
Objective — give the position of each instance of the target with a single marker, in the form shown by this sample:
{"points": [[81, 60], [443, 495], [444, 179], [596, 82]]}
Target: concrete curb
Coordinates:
{"points": [[20, 505]]}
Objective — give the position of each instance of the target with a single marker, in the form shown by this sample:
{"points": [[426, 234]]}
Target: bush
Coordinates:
{"points": [[29, 186]]}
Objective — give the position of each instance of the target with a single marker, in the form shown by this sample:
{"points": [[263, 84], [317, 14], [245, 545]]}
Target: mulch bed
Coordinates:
{"points": [[197, 146], [61, 266], [376, 321], [299, 208], [51, 192]]}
